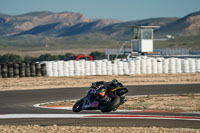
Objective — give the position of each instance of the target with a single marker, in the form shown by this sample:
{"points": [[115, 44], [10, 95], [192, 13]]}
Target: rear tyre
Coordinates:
{"points": [[78, 106], [111, 106]]}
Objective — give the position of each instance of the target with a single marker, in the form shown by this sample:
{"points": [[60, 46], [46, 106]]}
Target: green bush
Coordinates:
{"points": [[97, 55], [10, 58], [44, 57]]}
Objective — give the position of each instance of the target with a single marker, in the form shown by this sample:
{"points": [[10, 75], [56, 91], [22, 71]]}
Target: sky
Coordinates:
{"points": [[123, 10]]}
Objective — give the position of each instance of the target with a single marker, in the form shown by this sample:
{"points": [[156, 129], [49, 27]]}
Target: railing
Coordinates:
{"points": [[173, 51]]}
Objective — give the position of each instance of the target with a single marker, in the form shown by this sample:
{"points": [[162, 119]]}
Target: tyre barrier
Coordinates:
{"points": [[10, 70], [32, 69], [0, 72], [43, 70], [27, 69], [140, 65], [22, 69], [38, 70], [4, 70], [135, 66], [16, 70]]}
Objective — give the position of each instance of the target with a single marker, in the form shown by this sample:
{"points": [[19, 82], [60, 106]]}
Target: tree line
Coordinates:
{"points": [[44, 57]]}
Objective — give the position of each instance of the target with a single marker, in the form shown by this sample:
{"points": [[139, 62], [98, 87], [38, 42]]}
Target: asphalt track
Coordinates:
{"points": [[21, 102]]}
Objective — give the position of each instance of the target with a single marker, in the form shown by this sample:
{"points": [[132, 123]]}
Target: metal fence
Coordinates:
{"points": [[173, 51], [117, 51], [163, 51], [195, 52]]}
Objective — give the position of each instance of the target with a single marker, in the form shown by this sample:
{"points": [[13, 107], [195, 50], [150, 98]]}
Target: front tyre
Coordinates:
{"points": [[111, 106], [78, 106]]}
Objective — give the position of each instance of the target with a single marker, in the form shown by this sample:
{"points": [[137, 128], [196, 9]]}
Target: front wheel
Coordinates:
{"points": [[78, 106], [112, 105]]}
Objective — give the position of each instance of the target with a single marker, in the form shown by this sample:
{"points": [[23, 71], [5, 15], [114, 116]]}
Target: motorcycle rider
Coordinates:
{"points": [[107, 85], [100, 87], [105, 96], [95, 86]]}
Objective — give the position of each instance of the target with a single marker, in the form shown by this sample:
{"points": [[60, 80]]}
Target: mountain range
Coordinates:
{"points": [[67, 24], [46, 31]]}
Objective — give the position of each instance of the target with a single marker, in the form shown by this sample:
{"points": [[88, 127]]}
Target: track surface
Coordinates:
{"points": [[21, 102]]}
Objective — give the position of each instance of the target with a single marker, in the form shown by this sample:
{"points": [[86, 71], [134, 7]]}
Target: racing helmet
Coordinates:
{"points": [[114, 81], [94, 85], [97, 85]]}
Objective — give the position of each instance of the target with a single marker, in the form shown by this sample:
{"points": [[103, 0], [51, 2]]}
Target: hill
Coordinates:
{"points": [[33, 31], [69, 24], [186, 26], [12, 25]]}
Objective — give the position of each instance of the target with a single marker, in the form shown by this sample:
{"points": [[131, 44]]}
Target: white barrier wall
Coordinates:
{"points": [[65, 68], [198, 65], [114, 68], [140, 65]]}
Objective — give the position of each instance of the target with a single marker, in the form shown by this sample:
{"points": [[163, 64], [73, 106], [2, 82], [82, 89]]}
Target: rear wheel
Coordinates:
{"points": [[111, 106], [78, 106]]}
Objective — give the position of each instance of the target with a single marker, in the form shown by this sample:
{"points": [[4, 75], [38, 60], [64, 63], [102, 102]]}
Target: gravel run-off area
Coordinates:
{"points": [[85, 81], [171, 103], [80, 129]]}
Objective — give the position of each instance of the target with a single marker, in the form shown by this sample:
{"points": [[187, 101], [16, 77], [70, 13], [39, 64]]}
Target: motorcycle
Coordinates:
{"points": [[105, 96]]}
